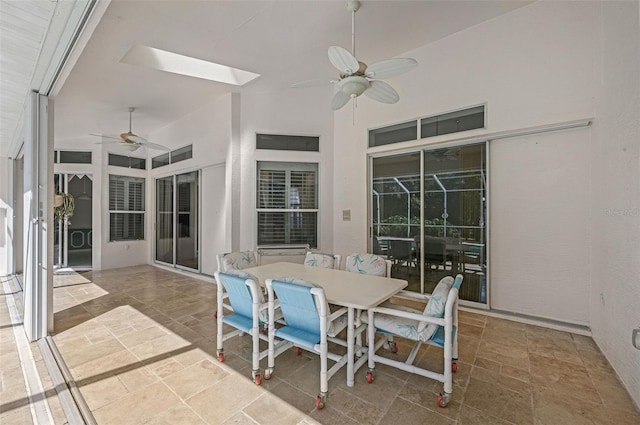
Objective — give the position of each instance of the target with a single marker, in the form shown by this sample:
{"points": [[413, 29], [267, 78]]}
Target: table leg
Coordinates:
{"points": [[350, 346]]}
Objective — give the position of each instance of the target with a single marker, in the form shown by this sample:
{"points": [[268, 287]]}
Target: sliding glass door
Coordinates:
{"points": [[177, 220], [429, 216], [164, 219]]}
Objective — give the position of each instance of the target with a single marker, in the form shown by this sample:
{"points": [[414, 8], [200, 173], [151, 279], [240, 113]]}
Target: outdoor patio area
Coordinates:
{"points": [[140, 343]]}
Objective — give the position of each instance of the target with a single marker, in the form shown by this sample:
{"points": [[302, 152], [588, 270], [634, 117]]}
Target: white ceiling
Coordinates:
{"points": [[284, 41]]}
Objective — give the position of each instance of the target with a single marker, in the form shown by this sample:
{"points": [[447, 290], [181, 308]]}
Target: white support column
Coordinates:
{"points": [[38, 253]]}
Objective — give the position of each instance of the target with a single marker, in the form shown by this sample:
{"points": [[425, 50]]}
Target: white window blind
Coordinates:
{"points": [[287, 203], [126, 208]]}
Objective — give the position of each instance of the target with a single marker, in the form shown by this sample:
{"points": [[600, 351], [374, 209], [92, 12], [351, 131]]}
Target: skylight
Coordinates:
{"points": [[184, 65]]}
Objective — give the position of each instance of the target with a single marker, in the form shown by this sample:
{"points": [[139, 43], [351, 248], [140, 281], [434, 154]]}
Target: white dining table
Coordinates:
{"points": [[355, 291]]}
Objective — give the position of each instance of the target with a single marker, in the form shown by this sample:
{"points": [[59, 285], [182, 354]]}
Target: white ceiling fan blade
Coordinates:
{"points": [[105, 137], [314, 83], [109, 141], [339, 100], [343, 60], [382, 92], [390, 68], [155, 146]]}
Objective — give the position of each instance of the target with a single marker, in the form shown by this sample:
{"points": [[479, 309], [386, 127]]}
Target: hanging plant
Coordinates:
{"points": [[63, 206]]}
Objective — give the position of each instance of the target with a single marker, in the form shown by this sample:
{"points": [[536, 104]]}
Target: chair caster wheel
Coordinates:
{"points": [[443, 399], [320, 400], [370, 377]]}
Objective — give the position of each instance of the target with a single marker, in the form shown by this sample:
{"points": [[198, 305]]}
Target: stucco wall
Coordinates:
{"points": [[615, 187], [531, 67]]}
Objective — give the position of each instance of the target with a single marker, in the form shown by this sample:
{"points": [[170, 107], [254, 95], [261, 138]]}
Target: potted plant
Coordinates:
{"points": [[63, 206]]}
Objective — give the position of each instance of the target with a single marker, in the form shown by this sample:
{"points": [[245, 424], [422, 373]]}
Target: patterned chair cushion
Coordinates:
{"points": [[367, 264], [400, 326], [238, 260], [436, 305], [334, 327], [326, 261]]}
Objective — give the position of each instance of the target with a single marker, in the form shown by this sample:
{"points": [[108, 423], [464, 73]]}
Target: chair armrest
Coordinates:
{"points": [[339, 312], [407, 315], [414, 295]]}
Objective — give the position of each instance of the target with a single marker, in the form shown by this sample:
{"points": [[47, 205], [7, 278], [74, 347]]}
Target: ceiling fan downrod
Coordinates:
{"points": [[353, 6], [131, 109]]}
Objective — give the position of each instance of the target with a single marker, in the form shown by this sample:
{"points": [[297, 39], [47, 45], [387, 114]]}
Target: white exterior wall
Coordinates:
{"points": [[208, 129], [531, 67], [615, 186]]}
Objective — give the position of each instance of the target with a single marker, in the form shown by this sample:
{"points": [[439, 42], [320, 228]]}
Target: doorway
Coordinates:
{"points": [[177, 220], [429, 217], [73, 239]]}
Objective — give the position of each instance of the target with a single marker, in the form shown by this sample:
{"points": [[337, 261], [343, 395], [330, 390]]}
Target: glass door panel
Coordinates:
{"points": [[187, 220], [164, 219], [455, 217], [396, 214]]}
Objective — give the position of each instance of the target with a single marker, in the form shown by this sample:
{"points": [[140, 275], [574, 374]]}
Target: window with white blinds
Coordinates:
{"points": [[287, 203], [126, 208]]}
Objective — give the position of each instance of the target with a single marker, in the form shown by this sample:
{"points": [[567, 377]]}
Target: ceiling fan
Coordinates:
{"points": [[357, 77], [131, 141]]}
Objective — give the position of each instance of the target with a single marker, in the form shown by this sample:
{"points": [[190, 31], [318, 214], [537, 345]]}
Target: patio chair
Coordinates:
{"points": [[236, 261], [436, 325], [309, 325], [327, 261], [372, 264], [250, 310]]}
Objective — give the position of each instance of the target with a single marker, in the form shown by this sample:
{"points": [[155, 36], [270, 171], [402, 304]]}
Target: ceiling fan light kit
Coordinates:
{"points": [[356, 78], [132, 142]]}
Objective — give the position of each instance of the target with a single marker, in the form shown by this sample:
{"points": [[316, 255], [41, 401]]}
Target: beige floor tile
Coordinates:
{"points": [[499, 378], [180, 414], [160, 347], [551, 407], [240, 418], [100, 392], [497, 400], [407, 413], [471, 416], [612, 392], [270, 410], [287, 393], [139, 406], [222, 400], [18, 416], [76, 355], [329, 415], [563, 377], [195, 378]]}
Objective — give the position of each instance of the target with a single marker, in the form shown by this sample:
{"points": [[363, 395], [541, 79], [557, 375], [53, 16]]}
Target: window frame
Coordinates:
{"points": [[127, 211], [288, 167]]}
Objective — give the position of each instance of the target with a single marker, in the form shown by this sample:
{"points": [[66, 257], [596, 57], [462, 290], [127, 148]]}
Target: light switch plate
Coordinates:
{"points": [[346, 215]]}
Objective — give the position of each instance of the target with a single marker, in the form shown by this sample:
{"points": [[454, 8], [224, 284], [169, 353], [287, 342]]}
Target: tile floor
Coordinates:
{"points": [[15, 398], [141, 345]]}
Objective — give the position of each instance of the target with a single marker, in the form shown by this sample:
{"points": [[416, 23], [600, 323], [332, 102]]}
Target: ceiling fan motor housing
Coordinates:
{"points": [[354, 85]]}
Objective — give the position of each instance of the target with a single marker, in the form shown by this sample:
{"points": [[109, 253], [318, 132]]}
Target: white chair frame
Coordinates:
{"points": [[450, 348]]}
